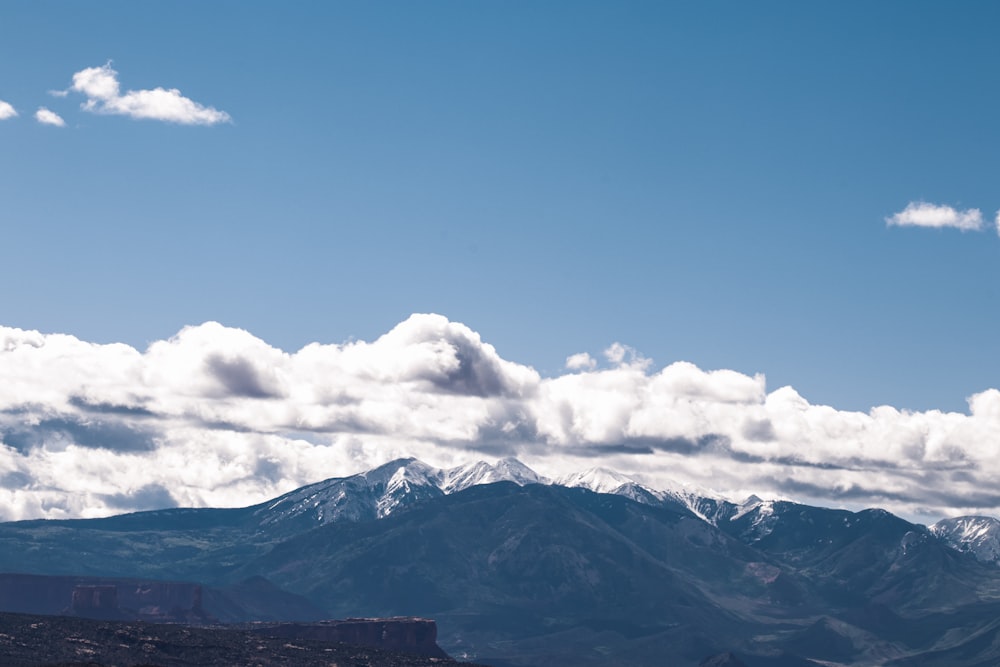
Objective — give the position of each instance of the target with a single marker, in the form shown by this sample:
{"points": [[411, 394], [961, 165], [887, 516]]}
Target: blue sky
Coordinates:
{"points": [[706, 182], [702, 181]]}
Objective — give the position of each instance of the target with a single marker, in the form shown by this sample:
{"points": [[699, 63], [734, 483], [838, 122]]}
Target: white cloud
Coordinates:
{"points": [[923, 214], [216, 416], [997, 222], [620, 354], [581, 361], [46, 117], [100, 85], [6, 110], [615, 353]]}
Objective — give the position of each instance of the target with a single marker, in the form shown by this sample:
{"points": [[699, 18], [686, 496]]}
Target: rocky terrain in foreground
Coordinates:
{"points": [[32, 641]]}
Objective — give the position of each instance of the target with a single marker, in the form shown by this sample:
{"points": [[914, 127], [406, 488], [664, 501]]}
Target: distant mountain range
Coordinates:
{"points": [[590, 569]]}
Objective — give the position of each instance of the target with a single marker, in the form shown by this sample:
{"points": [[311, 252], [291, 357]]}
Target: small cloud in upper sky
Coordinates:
{"points": [[923, 214], [6, 110], [581, 361], [47, 117], [100, 85]]}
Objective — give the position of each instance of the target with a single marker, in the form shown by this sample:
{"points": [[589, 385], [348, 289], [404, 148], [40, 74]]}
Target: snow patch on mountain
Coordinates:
{"points": [[760, 516], [382, 491], [378, 493], [977, 535], [748, 505], [703, 503], [412, 480], [598, 480], [474, 474]]}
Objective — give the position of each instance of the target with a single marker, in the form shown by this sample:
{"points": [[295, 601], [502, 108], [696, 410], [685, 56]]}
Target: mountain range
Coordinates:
{"points": [[589, 569]]}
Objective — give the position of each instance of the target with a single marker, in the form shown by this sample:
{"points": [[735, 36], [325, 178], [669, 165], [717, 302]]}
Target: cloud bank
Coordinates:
{"points": [[216, 416], [100, 86], [6, 110]]}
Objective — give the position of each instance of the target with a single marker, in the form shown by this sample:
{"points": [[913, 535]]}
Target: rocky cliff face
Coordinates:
{"points": [[94, 601], [406, 634], [163, 600], [103, 598]]}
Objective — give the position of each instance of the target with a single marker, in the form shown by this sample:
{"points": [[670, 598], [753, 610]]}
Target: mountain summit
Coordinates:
{"points": [[977, 535], [379, 492]]}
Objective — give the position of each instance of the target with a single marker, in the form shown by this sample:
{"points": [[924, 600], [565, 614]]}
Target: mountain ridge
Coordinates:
{"points": [[376, 493], [411, 478], [522, 570]]}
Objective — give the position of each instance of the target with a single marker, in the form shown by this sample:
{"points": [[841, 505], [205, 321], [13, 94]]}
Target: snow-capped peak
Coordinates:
{"points": [[379, 492], [402, 470], [751, 503], [399, 483], [978, 535], [472, 474], [598, 480], [464, 476], [704, 504], [517, 472], [412, 481]]}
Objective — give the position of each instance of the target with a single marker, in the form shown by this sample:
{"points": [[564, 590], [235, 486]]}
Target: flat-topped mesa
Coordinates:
{"points": [[104, 598], [401, 633], [164, 600], [149, 601], [90, 600]]}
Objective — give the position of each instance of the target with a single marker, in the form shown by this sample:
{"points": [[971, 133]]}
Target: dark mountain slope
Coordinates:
{"points": [[976, 644], [856, 558], [204, 544], [83, 548], [546, 565], [255, 599]]}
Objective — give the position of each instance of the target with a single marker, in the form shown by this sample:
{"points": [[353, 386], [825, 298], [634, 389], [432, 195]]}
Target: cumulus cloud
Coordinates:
{"points": [[216, 416], [101, 87], [6, 110], [923, 214], [47, 117], [624, 355], [581, 361]]}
